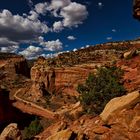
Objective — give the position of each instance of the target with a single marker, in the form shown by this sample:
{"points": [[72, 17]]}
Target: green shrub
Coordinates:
{"points": [[33, 129], [100, 88]]}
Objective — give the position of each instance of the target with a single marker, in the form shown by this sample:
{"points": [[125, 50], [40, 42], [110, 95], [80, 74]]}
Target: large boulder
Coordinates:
{"points": [[11, 132], [120, 103], [129, 54]]}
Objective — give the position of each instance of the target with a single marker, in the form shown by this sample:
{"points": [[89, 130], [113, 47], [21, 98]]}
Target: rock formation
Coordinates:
{"points": [[122, 124], [11, 132], [136, 8], [63, 79], [131, 69], [59, 77], [120, 103]]}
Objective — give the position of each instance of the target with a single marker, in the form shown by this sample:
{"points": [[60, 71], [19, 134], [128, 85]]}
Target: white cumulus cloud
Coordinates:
{"points": [[54, 45], [16, 28], [27, 28], [31, 52], [73, 14], [11, 49], [41, 8], [58, 26], [74, 49], [109, 38], [114, 30], [71, 38]]}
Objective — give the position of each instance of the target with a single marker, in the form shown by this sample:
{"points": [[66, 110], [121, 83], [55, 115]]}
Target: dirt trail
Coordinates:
{"points": [[32, 108]]}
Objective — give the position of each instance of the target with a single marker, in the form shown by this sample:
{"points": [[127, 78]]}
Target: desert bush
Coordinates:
{"points": [[100, 88], [33, 129]]}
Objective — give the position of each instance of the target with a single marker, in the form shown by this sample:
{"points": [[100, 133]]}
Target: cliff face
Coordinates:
{"points": [[63, 79], [15, 65], [65, 72], [131, 69], [13, 71], [8, 113], [13, 74]]}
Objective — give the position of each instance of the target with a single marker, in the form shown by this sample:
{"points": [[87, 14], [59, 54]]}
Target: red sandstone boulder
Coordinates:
{"points": [[11, 132]]}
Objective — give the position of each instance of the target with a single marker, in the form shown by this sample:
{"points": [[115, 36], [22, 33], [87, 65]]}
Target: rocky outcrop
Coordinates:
{"points": [[136, 9], [15, 65], [120, 103], [131, 68], [129, 54], [53, 129], [120, 119], [37, 91], [11, 132], [13, 72]]}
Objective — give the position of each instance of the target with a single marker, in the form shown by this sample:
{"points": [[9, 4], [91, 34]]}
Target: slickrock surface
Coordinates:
{"points": [[119, 103]]}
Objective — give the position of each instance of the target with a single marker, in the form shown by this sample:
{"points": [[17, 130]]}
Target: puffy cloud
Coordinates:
{"points": [[71, 38], [100, 5], [54, 45], [31, 52], [16, 28], [57, 4], [50, 55], [114, 30], [19, 29], [74, 14], [41, 8], [5, 42], [87, 46], [30, 3], [33, 15], [12, 49], [58, 26], [74, 49], [109, 38], [82, 47]]}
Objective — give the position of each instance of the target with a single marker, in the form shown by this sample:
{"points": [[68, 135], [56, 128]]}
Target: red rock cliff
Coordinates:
{"points": [[63, 79]]}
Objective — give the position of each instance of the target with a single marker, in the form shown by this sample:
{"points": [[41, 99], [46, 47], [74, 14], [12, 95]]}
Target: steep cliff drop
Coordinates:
{"points": [[14, 74], [9, 114]]}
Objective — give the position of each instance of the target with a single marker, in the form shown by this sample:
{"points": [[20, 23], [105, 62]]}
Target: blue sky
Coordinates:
{"points": [[45, 27]]}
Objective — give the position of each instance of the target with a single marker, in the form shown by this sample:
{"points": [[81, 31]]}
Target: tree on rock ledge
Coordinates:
{"points": [[100, 88]]}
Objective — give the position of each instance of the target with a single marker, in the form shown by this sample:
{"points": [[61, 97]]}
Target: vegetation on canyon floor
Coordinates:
{"points": [[33, 129], [100, 88]]}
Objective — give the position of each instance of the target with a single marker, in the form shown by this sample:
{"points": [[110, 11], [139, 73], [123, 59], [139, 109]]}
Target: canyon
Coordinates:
{"points": [[48, 89], [58, 81]]}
